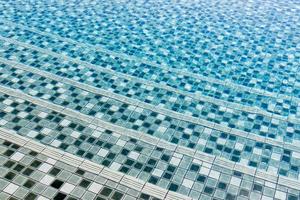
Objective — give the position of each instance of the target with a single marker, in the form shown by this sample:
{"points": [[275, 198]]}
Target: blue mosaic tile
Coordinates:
{"points": [[207, 41], [196, 98]]}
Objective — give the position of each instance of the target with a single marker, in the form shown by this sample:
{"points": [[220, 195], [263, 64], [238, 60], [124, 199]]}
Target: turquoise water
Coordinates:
{"points": [[221, 78]]}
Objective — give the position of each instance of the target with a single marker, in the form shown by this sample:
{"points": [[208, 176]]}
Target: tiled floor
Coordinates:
{"points": [[149, 99]]}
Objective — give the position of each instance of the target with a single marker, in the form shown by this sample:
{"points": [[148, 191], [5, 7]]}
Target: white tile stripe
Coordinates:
{"points": [[197, 96], [163, 111], [87, 165], [227, 83], [132, 182], [214, 160]]}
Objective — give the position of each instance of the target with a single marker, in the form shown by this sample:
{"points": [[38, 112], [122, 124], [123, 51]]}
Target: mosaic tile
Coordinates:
{"points": [[186, 98], [128, 155], [209, 141], [278, 106], [258, 124], [205, 42], [52, 185]]}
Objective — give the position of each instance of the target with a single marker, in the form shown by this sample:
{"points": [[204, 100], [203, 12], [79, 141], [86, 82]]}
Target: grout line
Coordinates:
{"points": [[227, 83], [163, 111], [196, 96], [146, 138], [87, 165]]}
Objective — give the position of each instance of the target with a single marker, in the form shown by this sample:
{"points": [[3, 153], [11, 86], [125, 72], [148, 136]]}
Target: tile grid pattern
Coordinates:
{"points": [[263, 124], [248, 186], [210, 89], [187, 123], [175, 55], [264, 152], [200, 178], [26, 174], [283, 105]]}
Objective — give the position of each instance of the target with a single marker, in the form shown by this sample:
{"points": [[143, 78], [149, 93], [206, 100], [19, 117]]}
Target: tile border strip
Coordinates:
{"points": [[196, 96], [87, 165], [163, 111], [164, 67], [269, 176]]}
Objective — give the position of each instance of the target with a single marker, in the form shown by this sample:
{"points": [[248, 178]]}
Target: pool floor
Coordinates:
{"points": [[160, 99]]}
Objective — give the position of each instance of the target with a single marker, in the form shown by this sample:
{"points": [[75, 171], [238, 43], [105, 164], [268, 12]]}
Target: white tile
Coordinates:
{"points": [[187, 183], [96, 134], [235, 181], [276, 156], [46, 131], [214, 174], [67, 188], [162, 129], [89, 105], [47, 180], [204, 170], [2, 122], [95, 187], [84, 93], [138, 122], [175, 161], [42, 198], [32, 134], [102, 152], [157, 172], [115, 166], [75, 134], [188, 131], [20, 100], [61, 90], [31, 80], [17, 156], [160, 116], [114, 108], [239, 146], [99, 115], [121, 143], [8, 109], [65, 122], [296, 154], [257, 151], [22, 114], [56, 143], [133, 155], [45, 167], [49, 86], [11, 188], [63, 96], [43, 115], [8, 101]]}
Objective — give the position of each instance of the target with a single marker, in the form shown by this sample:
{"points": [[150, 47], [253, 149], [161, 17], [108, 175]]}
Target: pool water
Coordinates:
{"points": [[194, 99]]}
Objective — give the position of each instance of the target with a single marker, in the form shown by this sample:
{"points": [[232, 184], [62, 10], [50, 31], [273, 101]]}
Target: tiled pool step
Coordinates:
{"points": [[8, 74], [264, 127], [274, 159], [139, 91], [220, 70], [29, 168], [149, 99], [215, 90], [230, 184]]}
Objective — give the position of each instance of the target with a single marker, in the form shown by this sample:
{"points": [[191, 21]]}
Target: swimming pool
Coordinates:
{"points": [[186, 99]]}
